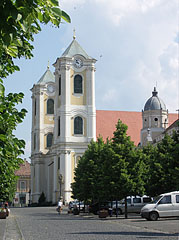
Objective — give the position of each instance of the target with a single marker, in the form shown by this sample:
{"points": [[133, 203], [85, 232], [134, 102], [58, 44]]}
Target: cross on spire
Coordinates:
{"points": [[74, 35]]}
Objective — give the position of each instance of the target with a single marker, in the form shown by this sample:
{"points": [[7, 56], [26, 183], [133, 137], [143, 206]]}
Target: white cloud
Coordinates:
{"points": [[109, 96], [116, 10], [72, 4], [169, 61]]}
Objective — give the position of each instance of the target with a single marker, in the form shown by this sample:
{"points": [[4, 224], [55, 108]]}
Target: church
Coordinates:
{"points": [[65, 120]]}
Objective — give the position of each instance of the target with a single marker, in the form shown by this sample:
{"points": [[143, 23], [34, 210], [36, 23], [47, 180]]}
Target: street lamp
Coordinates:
{"points": [[60, 178]]}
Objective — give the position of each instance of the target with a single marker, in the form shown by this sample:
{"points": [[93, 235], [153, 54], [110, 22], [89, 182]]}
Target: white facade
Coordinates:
{"points": [[72, 123]]}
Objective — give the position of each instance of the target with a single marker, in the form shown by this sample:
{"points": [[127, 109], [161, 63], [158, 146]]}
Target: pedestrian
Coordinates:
{"points": [[59, 207]]}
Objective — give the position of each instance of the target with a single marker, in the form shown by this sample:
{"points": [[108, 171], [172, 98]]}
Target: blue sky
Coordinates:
{"points": [[135, 43]]}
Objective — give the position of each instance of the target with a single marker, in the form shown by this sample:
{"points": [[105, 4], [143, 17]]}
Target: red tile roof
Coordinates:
{"points": [[106, 122], [24, 169]]}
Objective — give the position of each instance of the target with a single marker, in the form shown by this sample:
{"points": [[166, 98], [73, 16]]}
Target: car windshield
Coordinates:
{"points": [[156, 199]]}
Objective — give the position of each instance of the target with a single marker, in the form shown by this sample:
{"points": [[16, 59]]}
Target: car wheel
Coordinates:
{"points": [[120, 211], [153, 216]]}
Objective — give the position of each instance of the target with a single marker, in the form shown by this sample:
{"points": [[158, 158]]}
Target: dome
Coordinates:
{"points": [[154, 103]]}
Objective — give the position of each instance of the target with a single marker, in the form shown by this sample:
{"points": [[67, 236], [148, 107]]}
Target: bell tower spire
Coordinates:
{"points": [[74, 34]]}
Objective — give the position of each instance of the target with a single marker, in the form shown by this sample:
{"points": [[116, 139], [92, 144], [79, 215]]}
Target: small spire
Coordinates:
{"points": [[154, 93], [74, 35], [48, 66]]}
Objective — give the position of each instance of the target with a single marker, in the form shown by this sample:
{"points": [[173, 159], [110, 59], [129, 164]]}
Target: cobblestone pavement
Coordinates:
{"points": [[2, 227], [46, 224]]}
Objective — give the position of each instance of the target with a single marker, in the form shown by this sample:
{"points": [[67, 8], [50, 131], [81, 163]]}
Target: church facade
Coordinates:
{"points": [[65, 120]]}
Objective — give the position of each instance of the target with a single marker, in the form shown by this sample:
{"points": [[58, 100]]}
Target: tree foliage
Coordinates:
{"points": [[162, 165], [111, 170], [10, 146], [19, 21]]}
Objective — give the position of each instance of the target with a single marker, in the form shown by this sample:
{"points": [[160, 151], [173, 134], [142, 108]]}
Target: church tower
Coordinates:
{"points": [[154, 118], [75, 114], [43, 96], [63, 123]]}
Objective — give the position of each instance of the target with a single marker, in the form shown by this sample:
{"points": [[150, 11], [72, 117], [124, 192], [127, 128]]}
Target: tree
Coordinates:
{"points": [[110, 171], [162, 165], [87, 180], [20, 20], [42, 199], [10, 146], [128, 167]]}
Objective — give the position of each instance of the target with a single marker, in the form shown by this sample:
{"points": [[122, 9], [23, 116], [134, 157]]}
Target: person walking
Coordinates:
{"points": [[59, 207]]}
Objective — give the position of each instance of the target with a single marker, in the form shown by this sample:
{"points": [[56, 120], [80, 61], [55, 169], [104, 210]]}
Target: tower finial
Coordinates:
{"points": [[74, 35], [48, 66], [154, 93]]}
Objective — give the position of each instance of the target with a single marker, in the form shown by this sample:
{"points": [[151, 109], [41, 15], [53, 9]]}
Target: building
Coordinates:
{"points": [[23, 185], [65, 120]]}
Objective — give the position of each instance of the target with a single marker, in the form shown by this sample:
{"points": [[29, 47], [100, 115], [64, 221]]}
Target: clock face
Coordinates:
{"points": [[50, 88], [78, 63]]}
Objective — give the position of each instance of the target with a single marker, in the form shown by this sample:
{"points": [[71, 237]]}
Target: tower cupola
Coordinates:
{"points": [[154, 102], [154, 117]]}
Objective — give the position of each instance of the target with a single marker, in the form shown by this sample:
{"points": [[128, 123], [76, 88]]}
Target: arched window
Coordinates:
{"points": [[49, 139], [78, 125], [50, 106], [78, 88]]}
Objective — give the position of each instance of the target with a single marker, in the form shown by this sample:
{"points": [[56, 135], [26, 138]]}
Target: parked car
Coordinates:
{"points": [[134, 204], [97, 206], [165, 205], [76, 204]]}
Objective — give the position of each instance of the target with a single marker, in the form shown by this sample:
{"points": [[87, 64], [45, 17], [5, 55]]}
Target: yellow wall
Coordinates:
{"points": [[45, 141], [81, 98], [72, 166]]}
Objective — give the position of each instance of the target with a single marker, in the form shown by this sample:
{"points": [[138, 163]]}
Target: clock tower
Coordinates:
{"points": [[63, 123], [75, 115]]}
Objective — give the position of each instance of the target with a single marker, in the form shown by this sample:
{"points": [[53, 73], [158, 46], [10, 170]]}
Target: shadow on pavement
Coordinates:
{"points": [[142, 234]]}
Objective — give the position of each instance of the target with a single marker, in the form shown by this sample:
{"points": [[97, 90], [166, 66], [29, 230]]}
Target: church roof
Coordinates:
{"points": [[154, 103], [73, 49], [106, 123], [47, 77]]}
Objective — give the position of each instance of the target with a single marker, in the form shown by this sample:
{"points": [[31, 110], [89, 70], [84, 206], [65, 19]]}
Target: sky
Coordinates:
{"points": [[135, 43]]}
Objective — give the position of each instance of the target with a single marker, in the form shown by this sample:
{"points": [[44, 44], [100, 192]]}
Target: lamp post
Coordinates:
{"points": [[60, 178]]}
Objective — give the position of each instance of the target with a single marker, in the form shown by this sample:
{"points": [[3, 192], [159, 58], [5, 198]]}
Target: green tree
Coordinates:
{"points": [[87, 178], [20, 20], [111, 170], [128, 167], [162, 165], [10, 146]]}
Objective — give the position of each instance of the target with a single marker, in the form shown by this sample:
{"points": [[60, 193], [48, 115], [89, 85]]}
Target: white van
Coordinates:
{"points": [[165, 205], [134, 204]]}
